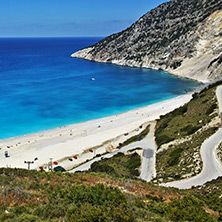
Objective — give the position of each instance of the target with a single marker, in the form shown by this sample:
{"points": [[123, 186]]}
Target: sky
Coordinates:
{"points": [[70, 18]]}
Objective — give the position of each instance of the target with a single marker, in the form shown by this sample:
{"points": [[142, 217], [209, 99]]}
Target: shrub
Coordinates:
{"points": [[174, 157], [183, 109], [190, 129], [52, 210], [120, 165], [133, 164], [163, 125], [98, 167], [188, 208], [195, 95], [85, 212], [20, 209], [163, 139], [211, 109], [27, 217]]}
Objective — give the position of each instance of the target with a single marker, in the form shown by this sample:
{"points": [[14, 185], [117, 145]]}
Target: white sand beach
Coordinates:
{"points": [[64, 143]]}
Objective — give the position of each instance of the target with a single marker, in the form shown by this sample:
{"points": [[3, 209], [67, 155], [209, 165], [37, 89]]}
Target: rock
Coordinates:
{"points": [[181, 37]]}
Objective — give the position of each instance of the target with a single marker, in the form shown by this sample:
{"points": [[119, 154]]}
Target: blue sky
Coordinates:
{"points": [[69, 18]]}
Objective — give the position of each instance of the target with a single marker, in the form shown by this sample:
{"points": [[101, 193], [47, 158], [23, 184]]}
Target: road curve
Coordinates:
{"points": [[148, 162], [211, 167]]}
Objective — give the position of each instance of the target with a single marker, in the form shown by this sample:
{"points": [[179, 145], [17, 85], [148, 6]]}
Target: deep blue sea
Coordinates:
{"points": [[41, 87]]}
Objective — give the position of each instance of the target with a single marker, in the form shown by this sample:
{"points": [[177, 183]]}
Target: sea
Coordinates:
{"points": [[42, 87]]}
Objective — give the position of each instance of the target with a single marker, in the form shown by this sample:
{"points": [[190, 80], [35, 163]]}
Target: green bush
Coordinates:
{"points": [[189, 208], [120, 165], [27, 217], [190, 129], [138, 137], [163, 139], [98, 167], [91, 213], [133, 164], [182, 110], [163, 125], [211, 109], [20, 209], [52, 210], [85, 212], [174, 157]]}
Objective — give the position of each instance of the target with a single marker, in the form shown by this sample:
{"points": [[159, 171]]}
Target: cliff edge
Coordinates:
{"points": [[181, 37]]}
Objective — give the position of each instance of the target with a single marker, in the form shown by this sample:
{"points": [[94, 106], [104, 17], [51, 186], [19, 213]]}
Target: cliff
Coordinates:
{"points": [[181, 37]]}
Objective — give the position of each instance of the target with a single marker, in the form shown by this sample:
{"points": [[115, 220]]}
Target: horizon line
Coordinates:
{"points": [[2, 37]]}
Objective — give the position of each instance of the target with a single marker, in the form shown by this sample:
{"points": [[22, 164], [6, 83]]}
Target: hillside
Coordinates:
{"points": [[181, 37], [111, 189], [181, 133], [40, 196]]}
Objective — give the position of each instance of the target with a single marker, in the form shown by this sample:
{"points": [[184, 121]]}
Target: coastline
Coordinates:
{"points": [[63, 143], [82, 54]]}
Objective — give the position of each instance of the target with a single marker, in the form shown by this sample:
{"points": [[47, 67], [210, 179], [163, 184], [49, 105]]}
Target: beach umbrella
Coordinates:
{"points": [[41, 168], [75, 157]]}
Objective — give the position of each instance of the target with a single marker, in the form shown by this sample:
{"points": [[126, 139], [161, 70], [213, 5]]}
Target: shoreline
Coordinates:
{"points": [[119, 63], [58, 128], [63, 143]]}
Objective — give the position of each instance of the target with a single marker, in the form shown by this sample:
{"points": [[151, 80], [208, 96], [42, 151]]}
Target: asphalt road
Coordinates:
{"points": [[211, 167], [148, 160]]}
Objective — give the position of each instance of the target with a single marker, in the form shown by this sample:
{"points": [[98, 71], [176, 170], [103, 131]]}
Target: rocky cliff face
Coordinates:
{"points": [[183, 37], [205, 63]]}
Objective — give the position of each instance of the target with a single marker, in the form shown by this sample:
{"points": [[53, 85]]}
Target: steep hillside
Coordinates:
{"points": [[54, 197], [181, 133], [173, 36], [205, 63]]}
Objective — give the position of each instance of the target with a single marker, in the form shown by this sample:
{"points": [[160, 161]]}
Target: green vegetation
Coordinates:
{"points": [[135, 138], [182, 159], [219, 152], [132, 139], [174, 157], [186, 124], [120, 165], [210, 195], [211, 109], [187, 119], [40, 196], [111, 189]]}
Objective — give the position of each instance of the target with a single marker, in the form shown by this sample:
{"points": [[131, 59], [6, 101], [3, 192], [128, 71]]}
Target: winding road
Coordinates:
{"points": [[148, 160], [211, 167]]}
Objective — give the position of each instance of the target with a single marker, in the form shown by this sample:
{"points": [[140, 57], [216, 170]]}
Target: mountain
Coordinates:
{"points": [[183, 37]]}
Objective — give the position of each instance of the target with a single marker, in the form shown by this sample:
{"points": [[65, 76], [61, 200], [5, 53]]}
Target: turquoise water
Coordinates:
{"points": [[41, 87]]}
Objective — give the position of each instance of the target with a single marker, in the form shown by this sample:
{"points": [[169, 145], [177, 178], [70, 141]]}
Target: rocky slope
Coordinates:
{"points": [[183, 37]]}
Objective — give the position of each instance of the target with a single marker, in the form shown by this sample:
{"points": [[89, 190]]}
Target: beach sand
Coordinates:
{"points": [[63, 143]]}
